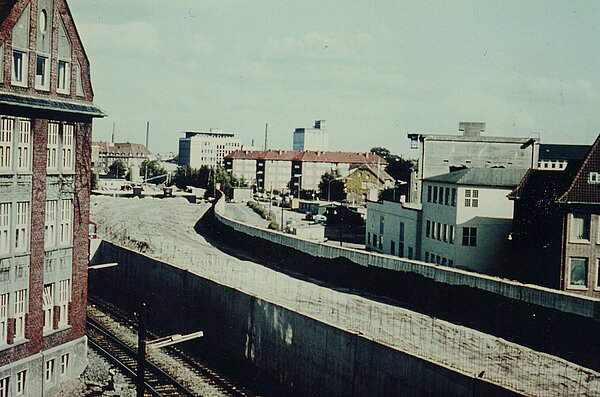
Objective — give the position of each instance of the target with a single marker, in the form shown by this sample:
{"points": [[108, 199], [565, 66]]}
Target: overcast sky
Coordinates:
{"points": [[375, 70]]}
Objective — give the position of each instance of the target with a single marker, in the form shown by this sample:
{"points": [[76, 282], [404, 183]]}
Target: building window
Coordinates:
{"points": [[428, 228], [447, 196], [467, 198], [598, 274], [380, 242], [21, 382], [469, 236], [369, 238], [454, 197], [42, 73], [445, 233], [381, 224], [410, 253], [438, 232], [64, 364], [435, 194], [594, 178], [49, 371], [52, 148], [578, 272], [4, 390], [48, 307], [451, 234], [24, 146], [64, 295], [475, 198], [19, 69], [50, 223], [392, 247], [433, 229], [63, 80], [426, 256], [450, 262], [20, 310], [4, 318], [429, 194], [66, 215], [401, 249], [5, 212], [580, 227], [68, 151], [6, 134], [22, 227]]}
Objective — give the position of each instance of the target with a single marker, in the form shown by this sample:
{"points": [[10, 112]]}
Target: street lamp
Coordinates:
{"points": [[329, 186], [341, 230]]}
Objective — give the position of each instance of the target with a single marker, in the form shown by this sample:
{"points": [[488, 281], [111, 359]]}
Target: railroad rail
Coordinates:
{"points": [[158, 382]]}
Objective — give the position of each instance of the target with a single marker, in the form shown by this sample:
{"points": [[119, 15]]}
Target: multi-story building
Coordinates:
{"points": [[207, 148], [46, 114], [312, 139], [555, 157], [365, 182], [464, 220], [441, 154], [105, 153], [556, 231], [293, 171]]}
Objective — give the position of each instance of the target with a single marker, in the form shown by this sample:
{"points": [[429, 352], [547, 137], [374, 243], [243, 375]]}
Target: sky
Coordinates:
{"points": [[375, 70]]}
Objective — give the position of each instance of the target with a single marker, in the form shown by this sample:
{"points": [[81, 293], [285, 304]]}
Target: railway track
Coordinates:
{"points": [[182, 375]]}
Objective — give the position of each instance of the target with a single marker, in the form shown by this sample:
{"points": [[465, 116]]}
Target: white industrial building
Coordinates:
{"points": [[207, 148], [315, 139], [464, 220]]}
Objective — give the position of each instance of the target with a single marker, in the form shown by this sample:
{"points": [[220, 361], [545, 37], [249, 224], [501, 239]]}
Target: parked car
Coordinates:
{"points": [[321, 219]]}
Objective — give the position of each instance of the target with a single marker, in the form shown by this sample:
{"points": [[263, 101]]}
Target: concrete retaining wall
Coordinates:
{"points": [[310, 356], [531, 294]]}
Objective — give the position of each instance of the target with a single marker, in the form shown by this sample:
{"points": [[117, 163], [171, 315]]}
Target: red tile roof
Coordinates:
{"points": [[308, 156], [580, 190], [122, 149]]}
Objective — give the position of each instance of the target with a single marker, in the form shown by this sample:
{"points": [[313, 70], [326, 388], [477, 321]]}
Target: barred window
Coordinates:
{"points": [[22, 227], [66, 215], [68, 152], [20, 310], [64, 295], [6, 137], [52, 148], [50, 223], [24, 146]]}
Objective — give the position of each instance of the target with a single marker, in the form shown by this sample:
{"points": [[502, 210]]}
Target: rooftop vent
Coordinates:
{"points": [[470, 128], [320, 124]]}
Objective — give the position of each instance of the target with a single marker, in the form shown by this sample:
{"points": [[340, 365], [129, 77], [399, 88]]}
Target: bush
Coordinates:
{"points": [[273, 225]]}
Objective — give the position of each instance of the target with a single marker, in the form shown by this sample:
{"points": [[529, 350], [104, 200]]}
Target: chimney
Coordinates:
{"points": [[470, 128]]}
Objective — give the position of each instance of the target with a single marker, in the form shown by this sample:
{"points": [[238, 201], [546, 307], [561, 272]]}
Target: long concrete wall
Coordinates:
{"points": [[310, 356], [531, 294]]}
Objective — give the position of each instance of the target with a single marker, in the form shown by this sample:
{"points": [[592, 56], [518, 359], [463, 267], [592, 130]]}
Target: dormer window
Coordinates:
{"points": [[42, 73], [19, 68], [594, 178], [63, 77]]}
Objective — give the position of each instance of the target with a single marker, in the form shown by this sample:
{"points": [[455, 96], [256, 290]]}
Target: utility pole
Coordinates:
{"points": [[147, 160], [141, 359], [113, 134]]}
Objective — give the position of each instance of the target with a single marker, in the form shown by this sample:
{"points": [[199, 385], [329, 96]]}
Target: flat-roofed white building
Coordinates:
{"points": [[315, 139], [207, 148]]}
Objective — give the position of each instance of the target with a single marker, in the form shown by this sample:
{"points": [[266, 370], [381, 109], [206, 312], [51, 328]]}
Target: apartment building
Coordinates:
{"points": [[293, 171], [206, 148], [441, 154], [46, 113], [556, 232]]}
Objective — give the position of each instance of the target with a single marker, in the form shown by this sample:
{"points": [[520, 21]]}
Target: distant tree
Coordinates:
{"points": [[117, 169], [207, 178], [398, 167], [332, 180], [154, 169]]}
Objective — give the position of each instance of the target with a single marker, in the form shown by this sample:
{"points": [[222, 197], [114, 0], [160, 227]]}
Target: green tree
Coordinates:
{"points": [[207, 178], [398, 167], [153, 169], [117, 169], [331, 186]]}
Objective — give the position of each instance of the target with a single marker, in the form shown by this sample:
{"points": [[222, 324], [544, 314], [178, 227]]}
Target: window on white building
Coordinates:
{"points": [[467, 197], [451, 234], [22, 227], [64, 295], [475, 198], [469, 236], [20, 310], [48, 303], [578, 272], [429, 194], [447, 196], [6, 137], [50, 223], [428, 228], [4, 318], [21, 382], [439, 231], [49, 371], [64, 364], [453, 197], [5, 215], [52, 148], [435, 194], [580, 227], [381, 224], [24, 146], [4, 387]]}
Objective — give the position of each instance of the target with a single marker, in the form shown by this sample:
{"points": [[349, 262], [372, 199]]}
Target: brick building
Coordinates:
{"points": [[46, 114]]}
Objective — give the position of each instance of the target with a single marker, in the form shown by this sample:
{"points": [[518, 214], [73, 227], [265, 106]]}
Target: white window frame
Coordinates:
{"points": [[21, 382], [22, 227], [66, 222], [42, 81], [52, 147], [7, 127], [63, 76], [570, 284], [5, 228], [68, 147], [48, 307], [24, 146], [50, 223], [64, 364], [49, 371], [19, 69], [4, 387], [586, 219], [64, 297], [4, 306], [19, 313]]}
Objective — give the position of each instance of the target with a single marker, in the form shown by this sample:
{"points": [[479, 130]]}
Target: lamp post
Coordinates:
{"points": [[341, 231]]}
